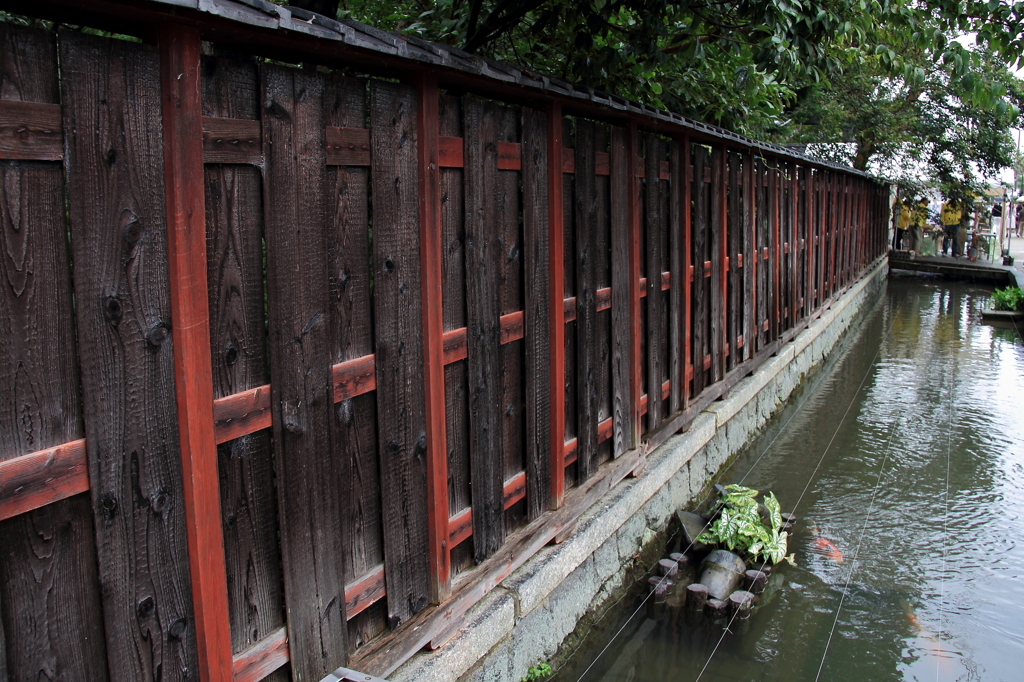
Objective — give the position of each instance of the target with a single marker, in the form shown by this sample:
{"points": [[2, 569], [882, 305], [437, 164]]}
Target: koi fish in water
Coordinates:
{"points": [[826, 548]]}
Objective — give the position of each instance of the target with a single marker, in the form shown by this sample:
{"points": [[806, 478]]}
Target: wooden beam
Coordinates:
{"points": [[556, 275], [40, 478], [186, 245], [261, 659], [31, 131], [232, 140], [427, 121]]}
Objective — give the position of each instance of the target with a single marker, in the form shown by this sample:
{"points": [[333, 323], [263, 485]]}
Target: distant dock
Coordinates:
{"points": [[986, 272]]}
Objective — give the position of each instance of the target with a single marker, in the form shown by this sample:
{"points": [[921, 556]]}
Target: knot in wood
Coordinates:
{"points": [[157, 334], [112, 309]]}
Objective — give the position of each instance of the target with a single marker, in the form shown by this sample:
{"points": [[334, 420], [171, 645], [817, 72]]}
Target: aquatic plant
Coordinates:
{"points": [[1010, 298], [739, 525], [537, 672]]}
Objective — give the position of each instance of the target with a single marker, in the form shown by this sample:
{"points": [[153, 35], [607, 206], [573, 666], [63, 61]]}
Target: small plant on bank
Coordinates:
{"points": [[537, 672], [739, 525], [1010, 298]]}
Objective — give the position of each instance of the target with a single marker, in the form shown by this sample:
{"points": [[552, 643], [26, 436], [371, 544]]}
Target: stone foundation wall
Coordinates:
{"points": [[528, 616]]}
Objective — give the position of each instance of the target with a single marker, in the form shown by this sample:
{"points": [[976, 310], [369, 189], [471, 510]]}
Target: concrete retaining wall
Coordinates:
{"points": [[526, 618]]}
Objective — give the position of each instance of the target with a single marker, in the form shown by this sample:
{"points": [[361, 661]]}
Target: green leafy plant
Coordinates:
{"points": [[537, 672], [1010, 298], [739, 525]]}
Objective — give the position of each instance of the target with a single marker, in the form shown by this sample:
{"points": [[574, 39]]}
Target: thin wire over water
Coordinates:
{"points": [[853, 400], [856, 552]]}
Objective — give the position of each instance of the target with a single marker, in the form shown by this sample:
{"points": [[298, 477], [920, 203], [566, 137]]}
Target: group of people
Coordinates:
{"points": [[911, 218]]}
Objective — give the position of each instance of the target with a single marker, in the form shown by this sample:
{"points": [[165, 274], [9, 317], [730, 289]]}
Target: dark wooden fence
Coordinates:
{"points": [[292, 356]]}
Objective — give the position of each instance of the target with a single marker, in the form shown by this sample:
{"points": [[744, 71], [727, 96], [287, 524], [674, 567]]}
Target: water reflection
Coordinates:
{"points": [[927, 401]]}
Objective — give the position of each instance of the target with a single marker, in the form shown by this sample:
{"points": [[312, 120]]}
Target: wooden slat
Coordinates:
{"points": [[30, 131], [429, 190], [238, 355], [701, 292], [623, 407], [263, 658], [115, 198], [483, 249], [52, 618], [461, 524], [601, 163], [347, 146], [401, 385], [538, 299], [568, 158], [676, 259], [190, 318], [587, 348], [295, 206], [655, 257], [556, 158], [40, 478], [365, 590], [232, 140], [734, 243], [449, 152], [509, 156], [719, 249]]}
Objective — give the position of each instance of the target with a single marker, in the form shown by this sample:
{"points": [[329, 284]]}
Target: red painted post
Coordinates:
{"points": [[775, 202], [427, 98], [556, 277], [193, 375], [794, 242], [633, 189], [809, 260]]}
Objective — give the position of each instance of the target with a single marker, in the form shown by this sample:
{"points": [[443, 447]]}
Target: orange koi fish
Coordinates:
{"points": [[826, 548]]}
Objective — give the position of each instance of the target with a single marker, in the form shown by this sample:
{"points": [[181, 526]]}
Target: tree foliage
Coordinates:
{"points": [[892, 78]]}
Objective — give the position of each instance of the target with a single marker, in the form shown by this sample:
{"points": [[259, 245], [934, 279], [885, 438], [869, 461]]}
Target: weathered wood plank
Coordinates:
{"points": [[49, 598], [655, 258], [677, 258], [585, 238], [30, 131], [114, 166], [401, 419], [556, 318], [735, 273], [701, 302], [483, 254], [50, 615], [354, 435], [538, 346], [231, 140], [234, 229], [623, 401], [302, 402], [717, 255]]}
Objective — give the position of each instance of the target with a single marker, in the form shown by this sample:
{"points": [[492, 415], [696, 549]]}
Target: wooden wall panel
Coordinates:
{"points": [[234, 227], [354, 436], [701, 285], [655, 261], [586, 253], [538, 347], [308, 472], [624, 399], [114, 162], [483, 253], [401, 421], [51, 625]]}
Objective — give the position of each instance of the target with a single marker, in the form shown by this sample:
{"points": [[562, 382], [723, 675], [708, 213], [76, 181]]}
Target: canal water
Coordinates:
{"points": [[906, 452]]}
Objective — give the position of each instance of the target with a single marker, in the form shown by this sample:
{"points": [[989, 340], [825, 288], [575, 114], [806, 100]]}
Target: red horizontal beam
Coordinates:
{"points": [[364, 591], [262, 658], [510, 156], [460, 526], [449, 152], [43, 477], [347, 146]]}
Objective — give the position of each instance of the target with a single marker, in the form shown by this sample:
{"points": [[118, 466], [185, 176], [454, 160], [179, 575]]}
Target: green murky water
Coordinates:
{"points": [[907, 453]]}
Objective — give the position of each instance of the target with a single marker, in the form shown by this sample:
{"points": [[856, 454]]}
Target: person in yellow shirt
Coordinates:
{"points": [[918, 219], [902, 222], [951, 214]]}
